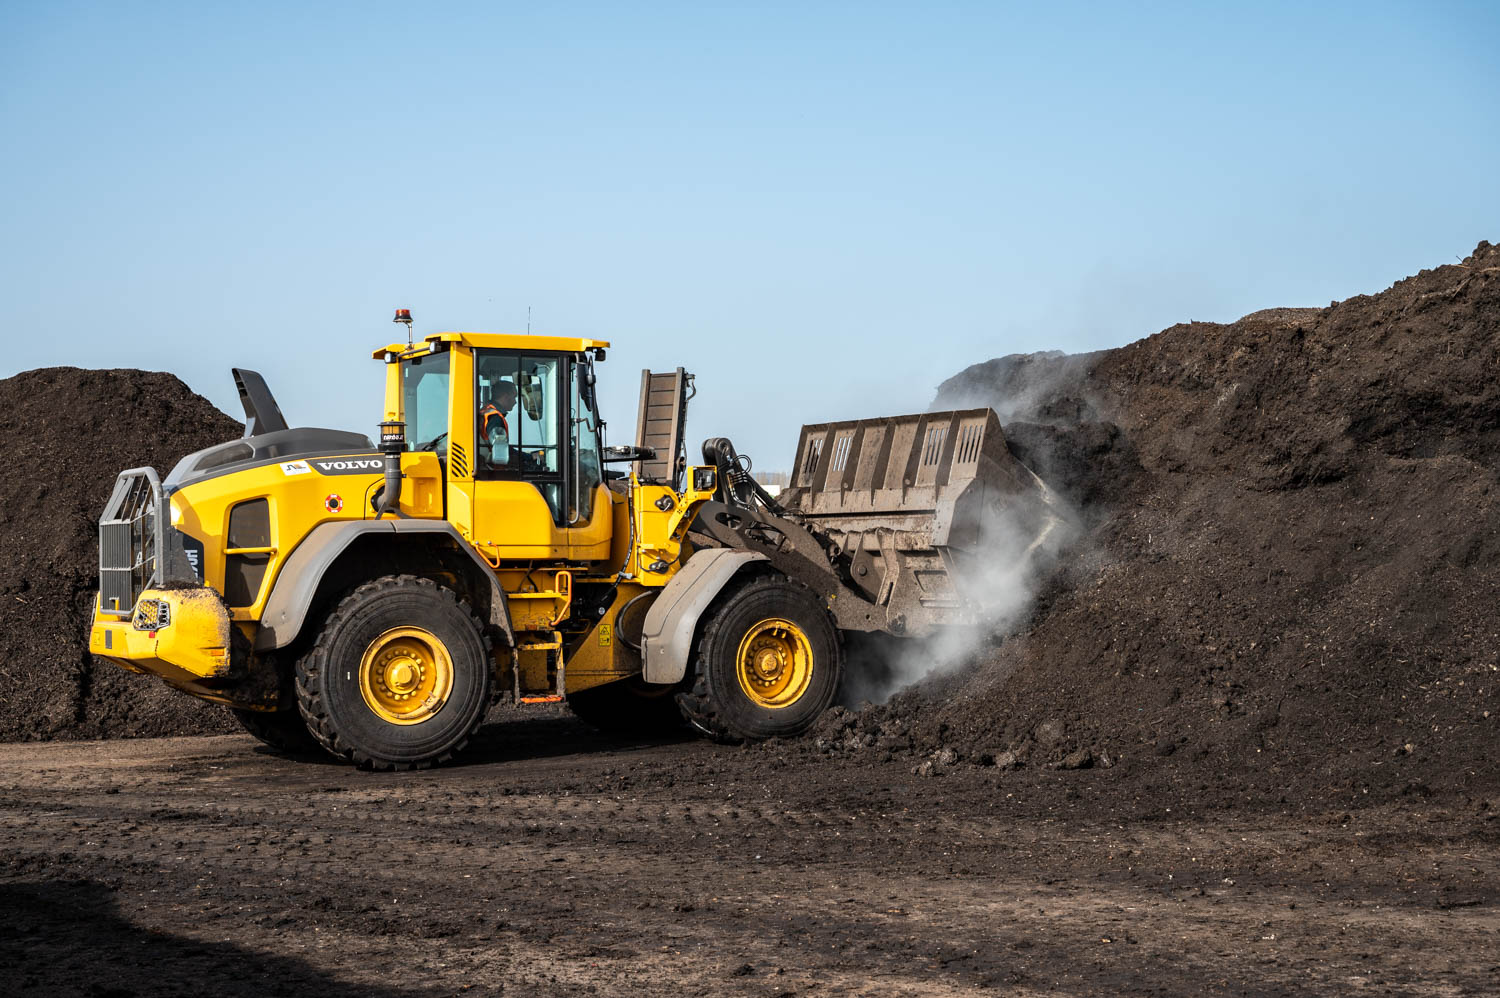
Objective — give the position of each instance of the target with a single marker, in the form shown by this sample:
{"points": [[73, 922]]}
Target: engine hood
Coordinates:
{"points": [[343, 451]]}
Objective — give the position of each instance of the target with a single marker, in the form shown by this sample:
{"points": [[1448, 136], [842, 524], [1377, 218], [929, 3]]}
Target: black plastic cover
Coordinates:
{"points": [[262, 414], [263, 448]]}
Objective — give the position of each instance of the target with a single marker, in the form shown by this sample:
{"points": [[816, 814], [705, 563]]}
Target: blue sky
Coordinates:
{"points": [[822, 210]]}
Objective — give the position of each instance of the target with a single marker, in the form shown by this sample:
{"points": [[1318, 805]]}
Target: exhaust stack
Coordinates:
{"points": [[392, 445]]}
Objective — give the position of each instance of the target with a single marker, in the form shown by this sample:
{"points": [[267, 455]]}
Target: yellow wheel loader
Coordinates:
{"points": [[375, 600]]}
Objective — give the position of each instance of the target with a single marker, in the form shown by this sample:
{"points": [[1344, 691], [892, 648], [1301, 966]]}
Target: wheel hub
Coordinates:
{"points": [[406, 675], [774, 663], [402, 676], [769, 663]]}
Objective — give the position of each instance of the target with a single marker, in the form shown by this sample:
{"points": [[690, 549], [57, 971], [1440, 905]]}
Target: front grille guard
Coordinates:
{"points": [[132, 541]]}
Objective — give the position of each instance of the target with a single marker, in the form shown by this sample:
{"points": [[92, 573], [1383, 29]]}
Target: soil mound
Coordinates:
{"points": [[67, 433], [1288, 583]]}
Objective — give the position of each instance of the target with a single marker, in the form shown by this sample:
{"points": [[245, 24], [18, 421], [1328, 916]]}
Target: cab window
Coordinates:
{"points": [[518, 416], [590, 473], [424, 399]]}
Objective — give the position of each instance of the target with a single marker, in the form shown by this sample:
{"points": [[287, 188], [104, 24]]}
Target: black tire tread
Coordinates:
{"points": [[696, 704], [311, 665], [698, 709]]}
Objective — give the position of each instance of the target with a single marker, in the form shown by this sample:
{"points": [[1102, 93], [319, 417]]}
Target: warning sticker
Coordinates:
{"points": [[334, 503], [295, 468], [606, 636]]}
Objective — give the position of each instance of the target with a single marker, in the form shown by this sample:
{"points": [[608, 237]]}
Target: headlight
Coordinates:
{"points": [[151, 615]]}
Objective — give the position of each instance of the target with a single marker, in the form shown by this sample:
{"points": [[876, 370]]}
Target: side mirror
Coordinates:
{"points": [[530, 392], [586, 384]]}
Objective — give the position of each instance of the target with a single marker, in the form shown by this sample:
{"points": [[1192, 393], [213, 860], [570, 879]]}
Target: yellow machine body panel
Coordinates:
{"points": [[181, 635], [497, 341], [512, 521], [249, 521], [603, 656], [590, 539]]}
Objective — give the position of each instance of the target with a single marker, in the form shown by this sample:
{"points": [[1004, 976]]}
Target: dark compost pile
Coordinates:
{"points": [[67, 433], [1290, 570]]}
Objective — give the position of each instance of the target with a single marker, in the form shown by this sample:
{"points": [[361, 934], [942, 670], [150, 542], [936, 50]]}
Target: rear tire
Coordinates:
{"points": [[629, 708], [399, 676], [282, 730], [768, 663]]}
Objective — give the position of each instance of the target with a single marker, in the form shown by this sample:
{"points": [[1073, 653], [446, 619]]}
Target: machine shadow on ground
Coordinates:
{"points": [[511, 739], [71, 938], [507, 738]]}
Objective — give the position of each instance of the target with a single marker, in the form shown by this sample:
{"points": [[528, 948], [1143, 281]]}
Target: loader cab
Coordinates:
{"points": [[514, 422]]}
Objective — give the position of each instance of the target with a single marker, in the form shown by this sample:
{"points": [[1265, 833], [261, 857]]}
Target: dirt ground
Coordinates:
{"points": [[552, 861]]}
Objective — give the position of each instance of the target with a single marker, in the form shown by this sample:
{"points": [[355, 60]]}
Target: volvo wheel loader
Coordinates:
{"points": [[373, 600]]}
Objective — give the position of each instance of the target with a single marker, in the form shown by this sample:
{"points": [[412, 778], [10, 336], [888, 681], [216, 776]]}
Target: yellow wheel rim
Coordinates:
{"points": [[406, 675], [774, 663]]}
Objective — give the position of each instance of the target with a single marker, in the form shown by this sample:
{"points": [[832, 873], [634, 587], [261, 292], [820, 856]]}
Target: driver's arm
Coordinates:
{"points": [[499, 445]]}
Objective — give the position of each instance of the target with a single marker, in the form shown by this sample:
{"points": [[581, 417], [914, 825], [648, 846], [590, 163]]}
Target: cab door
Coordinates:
{"points": [[590, 519], [520, 452]]}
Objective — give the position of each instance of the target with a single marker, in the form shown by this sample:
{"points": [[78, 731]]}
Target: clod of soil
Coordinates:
{"points": [[67, 433], [1288, 585]]}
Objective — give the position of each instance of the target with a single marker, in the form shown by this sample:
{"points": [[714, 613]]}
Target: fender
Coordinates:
{"points": [[667, 635], [298, 580]]}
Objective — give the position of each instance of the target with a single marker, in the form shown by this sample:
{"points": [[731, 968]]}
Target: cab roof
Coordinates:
{"points": [[494, 341]]}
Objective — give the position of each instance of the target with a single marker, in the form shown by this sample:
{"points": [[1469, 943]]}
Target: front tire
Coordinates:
{"points": [[768, 663], [399, 676]]}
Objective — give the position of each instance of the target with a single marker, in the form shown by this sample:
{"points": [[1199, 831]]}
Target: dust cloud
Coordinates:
{"points": [[1019, 545]]}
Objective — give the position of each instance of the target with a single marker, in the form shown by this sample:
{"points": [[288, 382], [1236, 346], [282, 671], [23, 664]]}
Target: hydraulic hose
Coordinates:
{"points": [[737, 487], [634, 646]]}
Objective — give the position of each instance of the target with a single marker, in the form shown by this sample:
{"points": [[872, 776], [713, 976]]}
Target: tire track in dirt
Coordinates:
{"points": [[483, 876]]}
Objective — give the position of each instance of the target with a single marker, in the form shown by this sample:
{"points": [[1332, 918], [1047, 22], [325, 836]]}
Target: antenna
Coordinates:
{"points": [[528, 320]]}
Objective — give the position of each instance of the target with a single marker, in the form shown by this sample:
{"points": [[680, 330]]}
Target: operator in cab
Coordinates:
{"points": [[494, 424]]}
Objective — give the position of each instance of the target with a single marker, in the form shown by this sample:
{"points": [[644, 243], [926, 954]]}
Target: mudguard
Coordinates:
{"points": [[667, 635], [297, 582]]}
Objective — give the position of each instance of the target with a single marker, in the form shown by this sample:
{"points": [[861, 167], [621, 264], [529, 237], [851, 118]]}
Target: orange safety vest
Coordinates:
{"points": [[489, 412]]}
